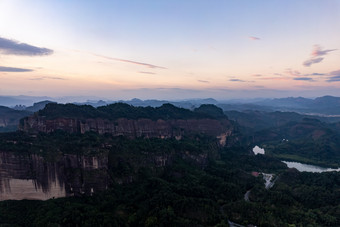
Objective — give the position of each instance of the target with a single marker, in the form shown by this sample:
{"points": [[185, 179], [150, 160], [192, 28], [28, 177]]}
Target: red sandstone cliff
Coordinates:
{"points": [[131, 128]]}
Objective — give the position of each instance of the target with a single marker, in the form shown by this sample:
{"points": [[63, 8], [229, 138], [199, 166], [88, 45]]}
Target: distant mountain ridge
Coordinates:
{"points": [[323, 105], [11, 101], [327, 105], [10, 117]]}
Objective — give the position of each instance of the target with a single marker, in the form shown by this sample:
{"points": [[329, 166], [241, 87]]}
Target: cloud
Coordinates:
{"points": [[293, 72], [237, 80], [11, 69], [287, 75], [311, 61], [334, 79], [131, 62], [317, 74], [11, 47], [151, 73], [316, 54], [275, 78], [335, 76], [337, 72], [304, 78], [48, 78], [203, 81], [253, 38]]}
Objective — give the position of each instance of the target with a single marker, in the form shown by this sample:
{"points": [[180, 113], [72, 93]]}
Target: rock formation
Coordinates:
{"points": [[132, 128]]}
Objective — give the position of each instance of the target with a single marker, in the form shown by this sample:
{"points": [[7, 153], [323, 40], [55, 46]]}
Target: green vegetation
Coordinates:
{"points": [[291, 136], [122, 110], [199, 184], [9, 118], [309, 141], [211, 110], [188, 182]]}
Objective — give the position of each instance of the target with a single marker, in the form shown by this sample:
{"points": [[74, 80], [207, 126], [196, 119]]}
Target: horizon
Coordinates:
{"points": [[119, 50], [12, 101]]}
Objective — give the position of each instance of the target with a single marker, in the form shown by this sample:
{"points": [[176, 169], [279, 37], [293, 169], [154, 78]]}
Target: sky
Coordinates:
{"points": [[157, 49]]}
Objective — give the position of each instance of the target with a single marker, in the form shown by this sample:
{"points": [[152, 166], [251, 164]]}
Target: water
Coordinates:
{"points": [[308, 168], [258, 150], [297, 165], [269, 180]]}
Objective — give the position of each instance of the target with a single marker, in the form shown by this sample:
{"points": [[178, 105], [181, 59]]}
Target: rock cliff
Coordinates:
{"points": [[129, 127], [30, 176], [159, 126]]}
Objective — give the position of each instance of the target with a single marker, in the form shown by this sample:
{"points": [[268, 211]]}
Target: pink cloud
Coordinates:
{"points": [[253, 38], [203, 81], [317, 51], [275, 78], [122, 60], [143, 72], [131, 62], [293, 72]]}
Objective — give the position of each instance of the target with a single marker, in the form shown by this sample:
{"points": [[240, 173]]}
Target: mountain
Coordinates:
{"points": [[11, 101], [38, 106], [245, 107], [290, 102], [118, 119], [122, 165], [9, 118], [253, 120], [308, 141], [328, 105], [116, 181]]}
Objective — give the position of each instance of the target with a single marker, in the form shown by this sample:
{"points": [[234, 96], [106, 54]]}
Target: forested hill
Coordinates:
{"points": [[122, 110], [9, 118], [122, 119]]}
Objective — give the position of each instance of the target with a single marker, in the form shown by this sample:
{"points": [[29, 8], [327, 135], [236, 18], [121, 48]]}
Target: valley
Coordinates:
{"points": [[135, 166]]}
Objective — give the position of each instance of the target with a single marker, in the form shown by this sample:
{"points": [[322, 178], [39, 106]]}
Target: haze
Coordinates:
{"points": [[170, 49]]}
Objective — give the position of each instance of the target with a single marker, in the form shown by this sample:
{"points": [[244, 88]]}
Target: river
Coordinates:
{"points": [[308, 168], [297, 165]]}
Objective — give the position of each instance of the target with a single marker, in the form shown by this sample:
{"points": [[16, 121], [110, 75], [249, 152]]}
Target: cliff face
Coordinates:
{"points": [[130, 127], [31, 177]]}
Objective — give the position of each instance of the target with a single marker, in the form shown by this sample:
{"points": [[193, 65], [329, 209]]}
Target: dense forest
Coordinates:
{"points": [[123, 110], [193, 181], [291, 136], [183, 192]]}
